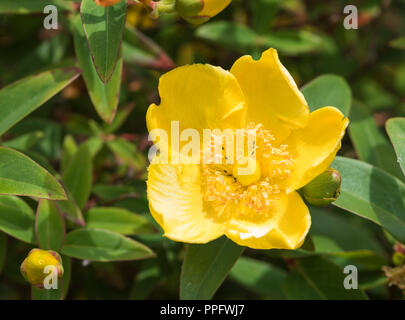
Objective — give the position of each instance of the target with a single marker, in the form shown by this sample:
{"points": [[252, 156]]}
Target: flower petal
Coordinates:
{"points": [[287, 231], [199, 97], [176, 203], [314, 147], [271, 94]]}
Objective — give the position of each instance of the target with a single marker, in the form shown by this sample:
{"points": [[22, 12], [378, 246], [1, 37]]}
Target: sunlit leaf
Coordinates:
{"points": [[117, 220], [19, 99], [102, 245], [49, 226], [19, 175], [104, 27], [105, 96]]}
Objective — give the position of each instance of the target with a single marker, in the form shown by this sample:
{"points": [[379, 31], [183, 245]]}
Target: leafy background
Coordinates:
{"points": [[111, 247]]}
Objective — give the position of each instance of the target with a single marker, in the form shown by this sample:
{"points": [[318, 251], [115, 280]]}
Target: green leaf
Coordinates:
{"points": [[105, 96], [240, 37], [228, 34], [264, 12], [317, 278], [3, 250], [25, 141], [127, 152], [78, 176], [17, 219], [71, 210], [344, 240], [19, 175], [32, 6], [49, 226], [396, 130], [69, 149], [259, 277], [206, 266], [117, 220], [370, 144], [102, 245], [328, 90], [19, 99], [104, 27], [372, 194], [341, 232]]}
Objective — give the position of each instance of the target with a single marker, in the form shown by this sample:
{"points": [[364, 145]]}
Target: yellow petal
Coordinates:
{"points": [[271, 94], [286, 231], [313, 148], [213, 7], [198, 97], [176, 203]]}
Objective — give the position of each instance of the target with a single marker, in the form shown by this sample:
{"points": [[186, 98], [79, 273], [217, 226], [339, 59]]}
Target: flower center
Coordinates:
{"points": [[254, 182], [247, 171]]}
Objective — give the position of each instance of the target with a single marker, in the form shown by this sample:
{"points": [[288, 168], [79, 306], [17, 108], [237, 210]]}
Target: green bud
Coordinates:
{"points": [[35, 263], [324, 189], [189, 8], [398, 259]]}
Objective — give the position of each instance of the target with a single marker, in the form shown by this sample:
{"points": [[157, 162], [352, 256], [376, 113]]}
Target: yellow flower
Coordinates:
{"points": [[199, 11], [197, 203], [106, 3], [34, 265]]}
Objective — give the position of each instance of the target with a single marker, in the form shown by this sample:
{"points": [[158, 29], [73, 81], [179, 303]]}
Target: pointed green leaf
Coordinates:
{"points": [[372, 194], [25, 141], [102, 245], [19, 175], [17, 219], [206, 266], [78, 176], [328, 90], [370, 144], [317, 278], [127, 152], [104, 27], [105, 96], [70, 210], [117, 220], [20, 98], [49, 226], [396, 130]]}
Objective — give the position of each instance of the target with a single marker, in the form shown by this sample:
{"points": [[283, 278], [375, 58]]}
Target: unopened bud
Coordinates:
{"points": [[106, 3], [398, 259], [324, 189], [200, 11], [34, 265]]}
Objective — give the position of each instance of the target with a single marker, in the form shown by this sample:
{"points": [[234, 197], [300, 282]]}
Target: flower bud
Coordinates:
{"points": [[106, 3], [324, 189], [200, 11], [35, 263], [398, 259]]}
